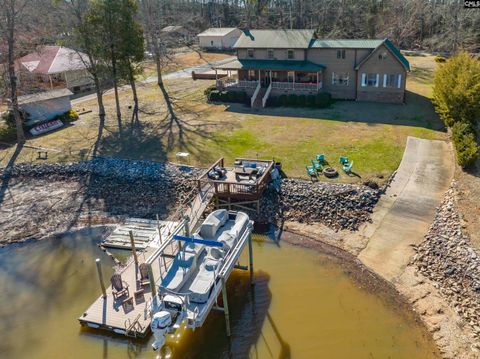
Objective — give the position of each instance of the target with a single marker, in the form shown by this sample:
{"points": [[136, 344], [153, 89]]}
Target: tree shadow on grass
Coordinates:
{"points": [[418, 111], [5, 179]]}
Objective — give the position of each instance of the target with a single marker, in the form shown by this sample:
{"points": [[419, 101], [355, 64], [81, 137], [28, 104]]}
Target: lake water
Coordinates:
{"points": [[303, 306]]}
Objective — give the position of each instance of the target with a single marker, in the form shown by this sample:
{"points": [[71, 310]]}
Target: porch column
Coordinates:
{"points": [[216, 75], [294, 75], [318, 83], [259, 72], [270, 77], [51, 83]]}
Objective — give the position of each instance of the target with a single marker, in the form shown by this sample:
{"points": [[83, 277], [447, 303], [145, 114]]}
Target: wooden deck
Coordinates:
{"points": [[112, 314]]}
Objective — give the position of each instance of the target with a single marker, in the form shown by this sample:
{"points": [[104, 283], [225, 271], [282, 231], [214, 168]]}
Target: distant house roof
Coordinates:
{"points": [[172, 28], [276, 65], [346, 44], [217, 31], [393, 49], [49, 60], [43, 96], [280, 39]]}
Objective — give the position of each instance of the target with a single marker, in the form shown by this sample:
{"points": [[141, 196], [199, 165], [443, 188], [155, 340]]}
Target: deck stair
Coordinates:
{"points": [[257, 103]]}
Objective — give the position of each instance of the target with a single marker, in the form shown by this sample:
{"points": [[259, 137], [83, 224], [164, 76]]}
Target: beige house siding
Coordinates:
{"points": [[388, 66], [278, 54]]}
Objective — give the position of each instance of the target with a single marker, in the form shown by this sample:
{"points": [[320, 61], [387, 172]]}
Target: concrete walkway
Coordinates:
{"points": [[404, 214]]}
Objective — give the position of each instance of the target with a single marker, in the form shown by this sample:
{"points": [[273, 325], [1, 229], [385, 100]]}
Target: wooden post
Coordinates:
{"points": [[318, 82], [294, 80], [100, 277], [225, 306], [159, 230], [152, 280], [187, 226], [132, 243], [250, 258]]}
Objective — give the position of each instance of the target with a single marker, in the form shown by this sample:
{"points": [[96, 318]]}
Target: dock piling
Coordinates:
{"points": [[225, 307], [134, 251], [187, 226], [250, 258], [159, 230], [100, 277]]}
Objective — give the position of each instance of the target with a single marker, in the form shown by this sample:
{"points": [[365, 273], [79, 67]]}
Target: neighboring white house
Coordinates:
{"points": [[45, 106], [222, 38], [53, 67]]}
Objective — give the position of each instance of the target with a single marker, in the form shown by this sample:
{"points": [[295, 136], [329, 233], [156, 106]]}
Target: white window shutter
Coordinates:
{"points": [[333, 78], [377, 80], [384, 80], [399, 83], [364, 80]]}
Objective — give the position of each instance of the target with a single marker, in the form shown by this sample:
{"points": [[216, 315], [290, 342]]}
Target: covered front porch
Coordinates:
{"points": [[286, 76]]}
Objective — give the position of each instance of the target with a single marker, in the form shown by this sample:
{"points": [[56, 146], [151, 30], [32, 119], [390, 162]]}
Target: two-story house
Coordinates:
{"points": [[275, 62]]}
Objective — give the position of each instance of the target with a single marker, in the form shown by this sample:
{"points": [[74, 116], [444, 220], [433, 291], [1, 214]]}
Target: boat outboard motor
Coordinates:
{"points": [[160, 323]]}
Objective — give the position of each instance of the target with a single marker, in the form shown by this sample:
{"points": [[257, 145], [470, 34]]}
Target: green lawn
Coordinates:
{"points": [[372, 135]]}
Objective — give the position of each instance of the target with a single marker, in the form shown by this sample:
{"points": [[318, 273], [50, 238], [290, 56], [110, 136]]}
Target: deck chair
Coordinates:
{"points": [[347, 167], [343, 160], [311, 171], [119, 287], [144, 279], [320, 158], [316, 165]]}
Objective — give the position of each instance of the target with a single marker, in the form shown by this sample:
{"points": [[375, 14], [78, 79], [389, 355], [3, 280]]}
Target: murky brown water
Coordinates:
{"points": [[303, 306]]}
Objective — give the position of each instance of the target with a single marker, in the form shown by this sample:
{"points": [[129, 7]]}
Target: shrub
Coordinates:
{"points": [[224, 96], [214, 95], [273, 101], [292, 99], [301, 100], [283, 100], [231, 96], [310, 101], [323, 99], [464, 139], [209, 90], [440, 59], [68, 116], [456, 89], [242, 96]]}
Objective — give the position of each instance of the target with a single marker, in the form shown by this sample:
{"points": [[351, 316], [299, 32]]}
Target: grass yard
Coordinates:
{"points": [[372, 135]]}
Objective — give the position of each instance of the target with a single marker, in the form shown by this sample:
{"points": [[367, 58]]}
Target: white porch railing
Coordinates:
{"points": [[255, 94], [267, 93], [296, 86], [236, 83]]}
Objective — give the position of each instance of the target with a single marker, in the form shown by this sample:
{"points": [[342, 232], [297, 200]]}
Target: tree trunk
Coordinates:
{"points": [[115, 87], [101, 114], [135, 119], [11, 74]]}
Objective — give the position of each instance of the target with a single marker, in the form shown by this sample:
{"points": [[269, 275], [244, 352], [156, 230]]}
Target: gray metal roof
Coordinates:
{"points": [[345, 44], [43, 96], [275, 39], [217, 31]]}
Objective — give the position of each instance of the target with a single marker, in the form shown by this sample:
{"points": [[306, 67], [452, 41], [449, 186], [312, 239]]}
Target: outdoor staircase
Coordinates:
{"points": [[257, 103]]}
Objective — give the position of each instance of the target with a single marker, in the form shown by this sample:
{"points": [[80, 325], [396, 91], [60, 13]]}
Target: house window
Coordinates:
{"points": [[341, 79], [211, 43], [291, 76], [270, 54], [251, 75], [250, 53], [290, 54], [340, 54], [372, 80], [382, 56], [389, 80]]}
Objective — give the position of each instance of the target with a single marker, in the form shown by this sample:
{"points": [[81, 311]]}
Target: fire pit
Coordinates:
{"points": [[330, 172]]}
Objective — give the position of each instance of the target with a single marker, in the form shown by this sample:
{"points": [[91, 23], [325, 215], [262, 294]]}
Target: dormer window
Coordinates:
{"points": [[270, 54], [340, 54], [250, 53], [382, 56], [290, 54]]}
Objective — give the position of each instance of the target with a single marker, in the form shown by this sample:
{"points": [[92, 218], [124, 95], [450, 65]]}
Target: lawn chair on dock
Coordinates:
{"points": [[119, 286], [144, 279], [311, 171], [343, 160]]}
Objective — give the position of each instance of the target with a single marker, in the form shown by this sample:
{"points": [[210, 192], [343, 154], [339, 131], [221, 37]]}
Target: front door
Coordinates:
{"points": [[266, 78]]}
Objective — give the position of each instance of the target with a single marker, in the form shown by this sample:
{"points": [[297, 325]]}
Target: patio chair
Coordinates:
{"points": [[343, 160], [347, 167], [119, 287], [311, 171], [321, 158], [144, 279], [316, 165]]}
